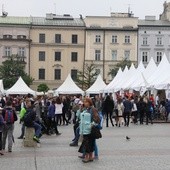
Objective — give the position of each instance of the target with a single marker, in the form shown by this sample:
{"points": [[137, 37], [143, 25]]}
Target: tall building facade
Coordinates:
{"points": [[109, 40], [15, 39], [154, 37], [57, 49]]}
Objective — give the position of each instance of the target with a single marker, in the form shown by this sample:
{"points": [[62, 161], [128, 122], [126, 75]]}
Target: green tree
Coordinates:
{"points": [[122, 64], [42, 88], [11, 69], [87, 77]]}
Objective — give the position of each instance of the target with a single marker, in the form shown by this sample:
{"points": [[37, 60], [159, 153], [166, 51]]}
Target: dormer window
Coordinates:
{"points": [[21, 36], [7, 36]]}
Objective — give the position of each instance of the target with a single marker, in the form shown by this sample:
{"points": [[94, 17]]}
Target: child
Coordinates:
{"points": [[1, 128]]}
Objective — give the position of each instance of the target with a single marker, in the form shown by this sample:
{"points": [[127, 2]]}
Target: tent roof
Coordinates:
{"points": [[97, 86], [69, 87], [20, 87]]}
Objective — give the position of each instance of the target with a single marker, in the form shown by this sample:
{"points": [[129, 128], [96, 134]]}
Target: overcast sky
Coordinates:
{"points": [[140, 8]]}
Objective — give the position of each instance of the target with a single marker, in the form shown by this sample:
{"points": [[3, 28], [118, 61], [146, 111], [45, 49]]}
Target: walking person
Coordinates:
{"points": [[9, 116], [120, 110], [51, 119], [167, 107], [108, 107], [142, 109], [149, 109]]}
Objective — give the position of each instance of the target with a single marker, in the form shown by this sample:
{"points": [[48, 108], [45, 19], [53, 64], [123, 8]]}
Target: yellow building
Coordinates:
{"points": [[109, 40], [57, 49]]}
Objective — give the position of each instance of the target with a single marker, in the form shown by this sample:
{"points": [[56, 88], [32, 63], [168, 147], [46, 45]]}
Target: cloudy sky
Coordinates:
{"points": [[140, 8]]}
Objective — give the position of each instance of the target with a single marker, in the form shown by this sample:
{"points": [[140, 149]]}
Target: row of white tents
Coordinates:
{"points": [[138, 79]]}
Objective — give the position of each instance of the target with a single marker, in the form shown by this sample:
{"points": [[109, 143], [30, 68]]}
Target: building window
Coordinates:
{"points": [[74, 39], [41, 38], [114, 55], [42, 74], [97, 55], [57, 56], [74, 74], [127, 54], [98, 39], [158, 56], [41, 55], [127, 39], [57, 74], [145, 40], [144, 56], [7, 36], [57, 38], [21, 37], [74, 56], [114, 39], [21, 51], [159, 40], [8, 51]]}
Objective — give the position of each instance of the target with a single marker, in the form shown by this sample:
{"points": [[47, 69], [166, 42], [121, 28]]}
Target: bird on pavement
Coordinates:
{"points": [[127, 138]]}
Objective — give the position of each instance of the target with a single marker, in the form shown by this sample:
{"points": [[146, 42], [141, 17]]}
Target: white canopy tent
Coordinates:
{"points": [[161, 78], [97, 86], [20, 87], [141, 82], [108, 88], [126, 77], [1, 87], [68, 87]]}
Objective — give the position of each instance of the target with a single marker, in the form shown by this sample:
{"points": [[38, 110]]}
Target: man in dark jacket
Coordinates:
{"points": [[9, 116], [108, 107], [29, 121], [127, 110]]}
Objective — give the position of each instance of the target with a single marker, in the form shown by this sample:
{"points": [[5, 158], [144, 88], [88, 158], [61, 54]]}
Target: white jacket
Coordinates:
{"points": [[59, 108]]}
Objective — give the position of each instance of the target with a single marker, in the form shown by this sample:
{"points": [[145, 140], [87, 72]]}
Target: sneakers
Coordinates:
{"points": [[36, 139], [74, 144], [58, 133]]}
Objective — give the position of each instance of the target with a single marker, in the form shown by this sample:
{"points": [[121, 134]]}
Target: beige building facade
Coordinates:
{"points": [[57, 49], [109, 40], [15, 39]]}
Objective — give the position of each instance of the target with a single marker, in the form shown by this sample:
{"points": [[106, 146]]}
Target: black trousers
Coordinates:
{"points": [[126, 116], [109, 115], [0, 141]]}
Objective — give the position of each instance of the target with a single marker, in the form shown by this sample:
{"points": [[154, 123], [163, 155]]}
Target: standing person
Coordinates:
{"points": [[65, 110], [127, 110], [134, 110], [142, 109], [51, 118], [108, 107], [167, 107], [10, 117], [89, 117], [2, 124], [120, 110], [149, 109], [58, 112]]}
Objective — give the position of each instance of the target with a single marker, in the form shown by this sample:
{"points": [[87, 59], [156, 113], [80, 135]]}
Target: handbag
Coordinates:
{"points": [[95, 132]]}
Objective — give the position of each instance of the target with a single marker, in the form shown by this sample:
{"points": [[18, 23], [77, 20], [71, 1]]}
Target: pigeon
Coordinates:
{"points": [[127, 138]]}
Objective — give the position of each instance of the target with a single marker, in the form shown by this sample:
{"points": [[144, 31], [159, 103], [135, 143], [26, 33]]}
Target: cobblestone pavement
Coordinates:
{"points": [[148, 148]]}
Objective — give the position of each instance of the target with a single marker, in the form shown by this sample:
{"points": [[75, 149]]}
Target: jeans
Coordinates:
{"points": [[76, 139], [37, 128]]}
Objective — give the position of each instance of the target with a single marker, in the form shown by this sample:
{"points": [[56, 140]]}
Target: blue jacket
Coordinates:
{"points": [[85, 123], [1, 123], [51, 111]]}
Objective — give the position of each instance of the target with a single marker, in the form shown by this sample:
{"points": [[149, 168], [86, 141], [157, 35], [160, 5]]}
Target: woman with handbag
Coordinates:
{"points": [[89, 117]]}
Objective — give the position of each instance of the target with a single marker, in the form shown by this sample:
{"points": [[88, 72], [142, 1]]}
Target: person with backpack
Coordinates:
{"points": [[9, 116], [29, 121]]}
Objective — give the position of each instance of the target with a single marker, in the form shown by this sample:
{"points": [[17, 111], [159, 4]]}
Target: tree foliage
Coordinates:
{"points": [[122, 64], [42, 88], [87, 78], [11, 69]]}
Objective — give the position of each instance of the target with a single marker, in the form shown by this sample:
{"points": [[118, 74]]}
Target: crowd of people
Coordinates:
{"points": [[46, 114]]}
